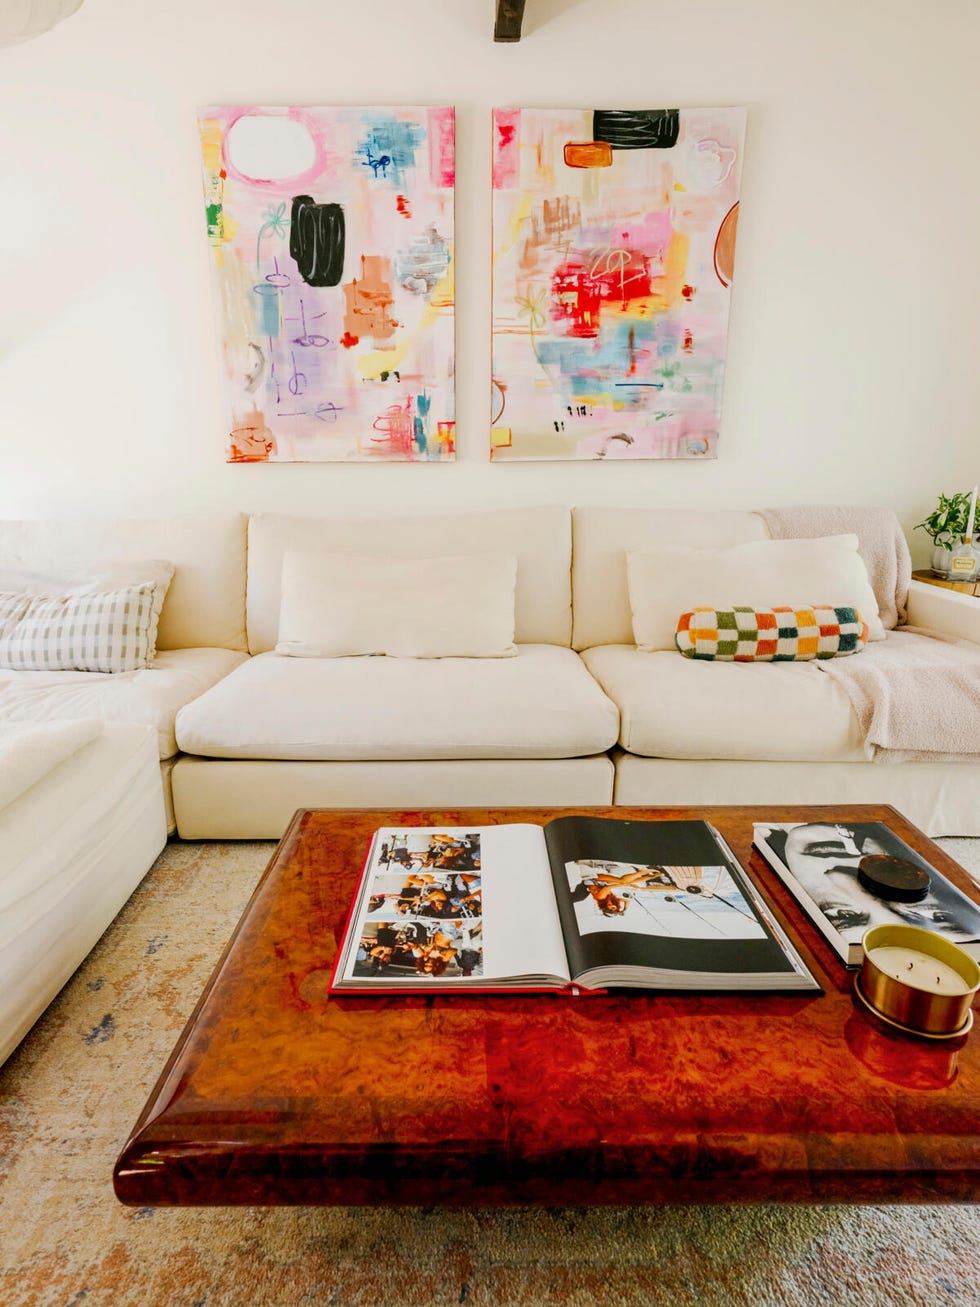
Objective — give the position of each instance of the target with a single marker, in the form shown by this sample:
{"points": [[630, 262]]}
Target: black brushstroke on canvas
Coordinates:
{"points": [[317, 236], [637, 129]]}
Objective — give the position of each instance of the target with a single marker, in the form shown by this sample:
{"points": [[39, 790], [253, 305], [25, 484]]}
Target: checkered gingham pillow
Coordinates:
{"points": [[773, 635], [107, 631]]}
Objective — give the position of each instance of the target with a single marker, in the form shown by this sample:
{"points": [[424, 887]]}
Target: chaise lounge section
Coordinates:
{"points": [[74, 844]]}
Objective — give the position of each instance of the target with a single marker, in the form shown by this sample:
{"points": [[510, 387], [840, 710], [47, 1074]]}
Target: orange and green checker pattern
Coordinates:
{"points": [[774, 635]]}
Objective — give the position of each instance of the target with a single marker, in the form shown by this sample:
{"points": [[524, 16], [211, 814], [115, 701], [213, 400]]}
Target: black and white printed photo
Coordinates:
{"points": [[824, 858]]}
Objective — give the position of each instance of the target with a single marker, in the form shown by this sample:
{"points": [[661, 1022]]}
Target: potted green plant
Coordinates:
{"points": [[945, 526]]}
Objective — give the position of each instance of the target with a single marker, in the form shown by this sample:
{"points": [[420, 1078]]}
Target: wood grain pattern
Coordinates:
{"points": [[963, 587], [277, 1094]]}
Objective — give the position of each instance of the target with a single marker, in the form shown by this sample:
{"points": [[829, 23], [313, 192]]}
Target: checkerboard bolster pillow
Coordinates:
{"points": [[774, 635], [107, 631]]}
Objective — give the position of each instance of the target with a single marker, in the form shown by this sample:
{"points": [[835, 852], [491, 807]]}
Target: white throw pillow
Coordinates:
{"points": [[98, 578], [667, 581], [335, 606]]}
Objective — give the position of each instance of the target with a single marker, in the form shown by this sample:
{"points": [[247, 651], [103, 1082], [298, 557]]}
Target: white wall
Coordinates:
{"points": [[856, 313]]}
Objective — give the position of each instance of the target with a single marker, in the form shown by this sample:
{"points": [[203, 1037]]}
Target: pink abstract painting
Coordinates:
{"points": [[613, 248], [331, 234]]}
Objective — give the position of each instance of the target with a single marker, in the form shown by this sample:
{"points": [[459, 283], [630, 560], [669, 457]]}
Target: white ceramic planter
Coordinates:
{"points": [[941, 560]]}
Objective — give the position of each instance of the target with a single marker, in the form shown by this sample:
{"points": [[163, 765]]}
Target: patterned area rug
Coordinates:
{"points": [[73, 1089]]}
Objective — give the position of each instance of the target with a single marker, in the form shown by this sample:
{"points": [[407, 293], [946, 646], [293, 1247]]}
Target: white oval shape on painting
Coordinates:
{"points": [[269, 147], [705, 164]]}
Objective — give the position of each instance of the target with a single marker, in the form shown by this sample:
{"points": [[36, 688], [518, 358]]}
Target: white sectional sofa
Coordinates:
{"points": [[579, 716]]}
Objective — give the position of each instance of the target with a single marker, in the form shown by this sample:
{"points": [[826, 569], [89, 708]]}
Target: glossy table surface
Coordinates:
{"points": [[277, 1093]]}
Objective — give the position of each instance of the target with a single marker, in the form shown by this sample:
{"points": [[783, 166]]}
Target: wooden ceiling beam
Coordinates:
{"points": [[510, 16]]}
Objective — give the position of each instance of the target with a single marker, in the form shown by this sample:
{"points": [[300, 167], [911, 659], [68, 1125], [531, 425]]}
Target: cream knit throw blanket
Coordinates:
{"points": [[916, 693]]}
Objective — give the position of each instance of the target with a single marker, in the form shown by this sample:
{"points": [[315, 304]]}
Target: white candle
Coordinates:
{"points": [[919, 969], [973, 513]]}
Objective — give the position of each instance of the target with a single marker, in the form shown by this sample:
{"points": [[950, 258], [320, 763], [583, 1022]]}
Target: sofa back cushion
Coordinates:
{"points": [[539, 538], [117, 574], [205, 604], [603, 537], [338, 606]]}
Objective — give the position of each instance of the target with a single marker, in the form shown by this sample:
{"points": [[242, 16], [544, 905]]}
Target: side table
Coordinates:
{"points": [[964, 587]]}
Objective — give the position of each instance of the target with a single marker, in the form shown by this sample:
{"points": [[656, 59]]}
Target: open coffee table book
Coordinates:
{"points": [[584, 902]]}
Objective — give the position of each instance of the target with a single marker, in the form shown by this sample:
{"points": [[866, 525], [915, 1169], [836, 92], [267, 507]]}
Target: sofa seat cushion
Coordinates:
{"points": [[675, 707], [540, 704], [150, 696]]}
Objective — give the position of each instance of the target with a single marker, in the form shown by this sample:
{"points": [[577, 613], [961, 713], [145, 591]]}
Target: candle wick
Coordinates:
{"points": [[910, 966]]}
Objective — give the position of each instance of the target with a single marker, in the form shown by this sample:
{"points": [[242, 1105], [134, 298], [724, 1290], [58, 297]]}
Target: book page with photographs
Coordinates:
{"points": [[466, 907], [663, 902]]}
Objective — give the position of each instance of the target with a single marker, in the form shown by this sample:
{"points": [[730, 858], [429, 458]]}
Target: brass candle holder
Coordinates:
{"points": [[917, 981]]}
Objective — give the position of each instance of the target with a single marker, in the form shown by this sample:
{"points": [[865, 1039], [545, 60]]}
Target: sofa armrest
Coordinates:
{"points": [[948, 611]]}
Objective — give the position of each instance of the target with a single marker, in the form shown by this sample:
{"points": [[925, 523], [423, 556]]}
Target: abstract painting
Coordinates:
{"points": [[613, 245], [331, 235]]}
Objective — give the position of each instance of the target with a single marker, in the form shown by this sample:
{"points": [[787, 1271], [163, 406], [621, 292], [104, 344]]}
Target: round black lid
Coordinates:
{"points": [[898, 879]]}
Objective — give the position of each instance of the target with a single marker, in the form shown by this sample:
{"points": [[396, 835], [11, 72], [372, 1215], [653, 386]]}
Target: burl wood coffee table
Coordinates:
{"points": [[277, 1094]]}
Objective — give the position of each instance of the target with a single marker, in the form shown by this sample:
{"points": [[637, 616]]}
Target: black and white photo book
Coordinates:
{"points": [[834, 870]]}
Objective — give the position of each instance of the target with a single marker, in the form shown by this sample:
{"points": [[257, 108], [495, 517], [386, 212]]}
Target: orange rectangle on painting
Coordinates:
{"points": [[588, 154], [447, 434], [501, 437]]}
